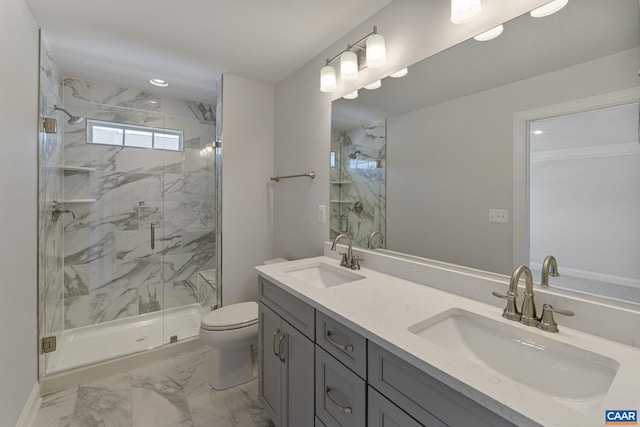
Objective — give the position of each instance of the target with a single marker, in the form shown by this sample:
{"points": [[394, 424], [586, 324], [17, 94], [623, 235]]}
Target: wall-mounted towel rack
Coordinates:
{"points": [[311, 175]]}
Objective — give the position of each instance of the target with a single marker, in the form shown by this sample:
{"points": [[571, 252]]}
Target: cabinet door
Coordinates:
{"points": [[271, 367], [298, 355], [382, 413]]}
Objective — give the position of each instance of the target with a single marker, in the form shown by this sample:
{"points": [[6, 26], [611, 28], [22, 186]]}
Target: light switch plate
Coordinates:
{"points": [[499, 215], [322, 213]]}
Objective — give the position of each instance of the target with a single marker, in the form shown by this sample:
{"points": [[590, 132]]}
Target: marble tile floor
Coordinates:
{"points": [[169, 393]]}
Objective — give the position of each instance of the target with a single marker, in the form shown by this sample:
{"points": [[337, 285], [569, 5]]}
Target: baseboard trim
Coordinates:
{"points": [[31, 407]]}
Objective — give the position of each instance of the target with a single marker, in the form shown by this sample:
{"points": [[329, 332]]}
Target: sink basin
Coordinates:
{"points": [[322, 275], [571, 375]]}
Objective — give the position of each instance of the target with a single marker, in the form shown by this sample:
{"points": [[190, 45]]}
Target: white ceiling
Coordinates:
{"points": [[191, 42]]}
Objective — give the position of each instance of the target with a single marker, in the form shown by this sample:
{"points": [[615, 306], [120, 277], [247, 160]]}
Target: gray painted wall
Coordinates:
{"points": [[18, 187]]}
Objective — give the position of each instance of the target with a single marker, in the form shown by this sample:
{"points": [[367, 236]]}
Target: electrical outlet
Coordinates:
{"points": [[499, 215], [322, 213]]}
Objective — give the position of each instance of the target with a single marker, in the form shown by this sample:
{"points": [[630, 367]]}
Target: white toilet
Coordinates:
{"points": [[230, 331]]}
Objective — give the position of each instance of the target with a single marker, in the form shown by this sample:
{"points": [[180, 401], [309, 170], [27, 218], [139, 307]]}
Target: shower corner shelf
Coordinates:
{"points": [[69, 201], [340, 182], [77, 168], [340, 201]]}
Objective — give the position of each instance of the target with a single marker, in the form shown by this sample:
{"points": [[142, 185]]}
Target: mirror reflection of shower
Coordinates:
{"points": [[73, 120]]}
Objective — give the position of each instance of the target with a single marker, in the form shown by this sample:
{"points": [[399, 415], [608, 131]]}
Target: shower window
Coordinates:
{"points": [[111, 133]]}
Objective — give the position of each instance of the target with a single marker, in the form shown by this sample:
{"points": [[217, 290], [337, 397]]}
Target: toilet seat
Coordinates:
{"points": [[231, 317]]}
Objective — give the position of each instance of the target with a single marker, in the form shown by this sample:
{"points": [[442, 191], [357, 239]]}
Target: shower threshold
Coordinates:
{"points": [[105, 341]]}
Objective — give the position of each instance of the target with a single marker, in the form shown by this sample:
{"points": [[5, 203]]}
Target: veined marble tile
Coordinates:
{"points": [[201, 111], [249, 395], [57, 409], [106, 94], [104, 403], [157, 396], [98, 307], [193, 369], [220, 408]]}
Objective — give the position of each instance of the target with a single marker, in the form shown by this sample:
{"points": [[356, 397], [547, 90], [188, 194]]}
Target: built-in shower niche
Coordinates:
{"points": [[116, 277]]}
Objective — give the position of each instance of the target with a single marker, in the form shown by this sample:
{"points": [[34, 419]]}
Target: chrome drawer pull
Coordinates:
{"points": [[343, 347], [274, 343], [345, 409]]}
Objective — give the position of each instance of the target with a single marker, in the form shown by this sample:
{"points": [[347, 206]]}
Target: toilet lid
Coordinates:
{"points": [[231, 316]]}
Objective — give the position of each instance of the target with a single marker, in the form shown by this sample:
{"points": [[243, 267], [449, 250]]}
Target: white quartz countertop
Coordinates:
{"points": [[382, 307]]}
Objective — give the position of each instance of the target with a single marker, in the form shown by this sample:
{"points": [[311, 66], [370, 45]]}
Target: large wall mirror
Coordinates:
{"points": [[496, 153]]}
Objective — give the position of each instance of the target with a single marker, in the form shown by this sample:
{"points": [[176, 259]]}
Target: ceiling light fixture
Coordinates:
{"points": [[538, 132], [400, 73], [490, 34], [159, 82], [549, 8], [374, 85], [463, 11], [369, 51]]}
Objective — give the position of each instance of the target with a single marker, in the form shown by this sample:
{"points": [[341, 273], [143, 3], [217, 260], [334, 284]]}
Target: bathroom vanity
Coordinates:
{"points": [[364, 348]]}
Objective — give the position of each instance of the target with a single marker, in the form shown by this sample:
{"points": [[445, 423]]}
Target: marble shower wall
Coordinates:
{"points": [[50, 257], [358, 193], [110, 270]]}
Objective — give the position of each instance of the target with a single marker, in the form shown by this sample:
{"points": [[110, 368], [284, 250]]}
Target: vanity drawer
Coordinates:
{"points": [[298, 313], [342, 343], [383, 413], [340, 394], [422, 396]]}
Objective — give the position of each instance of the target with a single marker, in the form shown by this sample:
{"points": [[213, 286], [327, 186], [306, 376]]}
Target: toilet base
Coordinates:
{"points": [[230, 368]]}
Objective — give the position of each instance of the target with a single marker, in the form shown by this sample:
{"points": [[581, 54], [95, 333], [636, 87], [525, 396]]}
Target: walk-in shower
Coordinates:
{"points": [[127, 220]]}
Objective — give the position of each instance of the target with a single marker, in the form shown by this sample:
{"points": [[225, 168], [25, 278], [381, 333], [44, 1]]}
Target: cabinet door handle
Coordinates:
{"points": [[345, 409], [339, 345], [280, 355], [274, 343], [153, 236]]}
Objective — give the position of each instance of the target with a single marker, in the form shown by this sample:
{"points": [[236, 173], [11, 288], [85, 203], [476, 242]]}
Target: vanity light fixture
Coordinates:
{"points": [[374, 85], [549, 8], [463, 11], [399, 73], [490, 34], [351, 95], [159, 82], [369, 51]]}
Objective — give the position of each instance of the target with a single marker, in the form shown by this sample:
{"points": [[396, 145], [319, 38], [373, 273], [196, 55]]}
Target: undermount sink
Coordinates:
{"points": [[321, 275], [571, 375]]}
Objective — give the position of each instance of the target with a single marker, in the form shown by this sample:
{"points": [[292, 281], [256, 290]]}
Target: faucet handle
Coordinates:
{"points": [[355, 263], [510, 312], [547, 323]]}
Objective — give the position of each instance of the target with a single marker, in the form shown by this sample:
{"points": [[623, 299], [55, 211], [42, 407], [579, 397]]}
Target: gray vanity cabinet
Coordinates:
{"points": [[286, 358], [424, 398], [381, 412]]}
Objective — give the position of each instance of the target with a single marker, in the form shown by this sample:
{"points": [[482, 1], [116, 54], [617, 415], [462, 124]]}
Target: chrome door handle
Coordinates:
{"points": [[339, 345], [274, 343], [280, 355], [153, 236], [345, 409]]}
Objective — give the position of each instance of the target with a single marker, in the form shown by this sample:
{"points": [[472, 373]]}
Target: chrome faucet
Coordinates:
{"points": [[549, 267], [347, 257], [528, 314], [374, 234]]}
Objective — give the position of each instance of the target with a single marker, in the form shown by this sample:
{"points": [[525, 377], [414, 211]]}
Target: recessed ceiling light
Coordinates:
{"points": [[351, 95], [491, 34], [374, 85], [549, 8], [159, 82], [538, 132], [399, 73]]}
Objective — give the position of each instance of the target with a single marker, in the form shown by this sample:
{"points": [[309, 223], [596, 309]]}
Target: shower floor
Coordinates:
{"points": [[105, 341]]}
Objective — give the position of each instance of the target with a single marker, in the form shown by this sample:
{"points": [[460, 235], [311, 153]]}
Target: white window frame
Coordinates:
{"points": [[128, 127]]}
